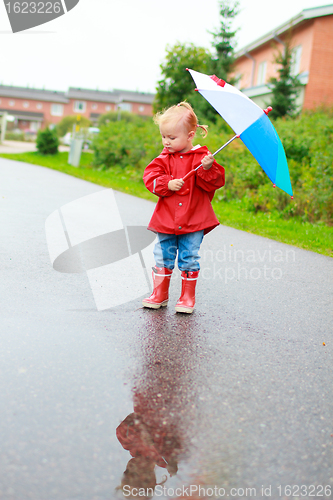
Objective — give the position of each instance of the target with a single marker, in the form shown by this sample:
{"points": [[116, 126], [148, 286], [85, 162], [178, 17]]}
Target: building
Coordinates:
{"points": [[93, 103], [312, 42], [36, 108]]}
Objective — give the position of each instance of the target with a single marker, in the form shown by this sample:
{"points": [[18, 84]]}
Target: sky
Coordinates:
{"points": [[120, 44]]}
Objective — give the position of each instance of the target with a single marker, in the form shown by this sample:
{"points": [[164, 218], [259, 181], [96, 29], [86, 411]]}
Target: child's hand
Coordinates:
{"points": [[175, 184], [207, 161]]}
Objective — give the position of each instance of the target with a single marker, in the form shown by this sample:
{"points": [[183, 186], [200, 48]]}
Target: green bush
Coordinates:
{"points": [[126, 144], [13, 136], [66, 124], [47, 142], [308, 142], [116, 116]]}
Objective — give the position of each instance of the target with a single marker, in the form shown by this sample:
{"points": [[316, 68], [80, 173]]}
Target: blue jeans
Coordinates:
{"points": [[187, 245]]}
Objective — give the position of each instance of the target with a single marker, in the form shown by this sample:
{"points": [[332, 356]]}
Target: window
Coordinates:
{"points": [[125, 106], [262, 73], [39, 105], [296, 55], [57, 109], [141, 109], [11, 103], [34, 126], [80, 106], [107, 108], [94, 106], [25, 104]]}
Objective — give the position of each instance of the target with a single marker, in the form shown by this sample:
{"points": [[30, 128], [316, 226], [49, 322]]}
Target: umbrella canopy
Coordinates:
{"points": [[250, 123]]}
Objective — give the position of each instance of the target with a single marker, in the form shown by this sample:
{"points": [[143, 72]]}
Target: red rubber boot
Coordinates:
{"points": [[160, 296], [186, 301]]}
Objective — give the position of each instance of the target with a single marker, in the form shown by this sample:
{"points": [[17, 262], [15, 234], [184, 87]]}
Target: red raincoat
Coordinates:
{"points": [[177, 212]]}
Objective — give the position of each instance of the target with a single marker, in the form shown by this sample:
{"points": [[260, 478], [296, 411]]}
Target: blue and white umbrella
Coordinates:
{"points": [[250, 123]]}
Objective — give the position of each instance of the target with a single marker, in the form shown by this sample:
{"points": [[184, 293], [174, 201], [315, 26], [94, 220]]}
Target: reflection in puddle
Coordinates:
{"points": [[164, 397]]}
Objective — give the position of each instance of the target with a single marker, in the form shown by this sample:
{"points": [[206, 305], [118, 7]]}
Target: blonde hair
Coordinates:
{"points": [[182, 114]]}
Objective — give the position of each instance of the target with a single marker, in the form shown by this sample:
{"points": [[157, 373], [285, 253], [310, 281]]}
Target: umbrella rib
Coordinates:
{"points": [[226, 144], [220, 149], [217, 151]]}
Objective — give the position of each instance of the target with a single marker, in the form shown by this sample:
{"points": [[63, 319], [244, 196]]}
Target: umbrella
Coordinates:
{"points": [[250, 123]]}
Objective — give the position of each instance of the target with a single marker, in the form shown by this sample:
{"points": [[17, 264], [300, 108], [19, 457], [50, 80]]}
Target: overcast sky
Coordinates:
{"points": [[108, 44]]}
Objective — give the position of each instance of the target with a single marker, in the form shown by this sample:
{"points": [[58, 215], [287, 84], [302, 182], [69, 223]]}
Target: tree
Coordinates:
{"points": [[114, 116], [224, 41], [177, 84], [66, 124], [285, 88]]}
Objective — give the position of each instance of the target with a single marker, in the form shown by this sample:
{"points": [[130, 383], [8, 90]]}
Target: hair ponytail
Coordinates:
{"points": [[204, 129]]}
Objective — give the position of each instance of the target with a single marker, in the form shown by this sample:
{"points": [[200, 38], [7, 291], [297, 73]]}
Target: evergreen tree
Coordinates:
{"points": [[285, 88], [224, 41]]}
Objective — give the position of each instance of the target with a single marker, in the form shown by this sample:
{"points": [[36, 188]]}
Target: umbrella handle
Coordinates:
{"points": [[192, 172]]}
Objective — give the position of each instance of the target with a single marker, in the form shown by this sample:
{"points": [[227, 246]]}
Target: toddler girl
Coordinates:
{"points": [[183, 213]]}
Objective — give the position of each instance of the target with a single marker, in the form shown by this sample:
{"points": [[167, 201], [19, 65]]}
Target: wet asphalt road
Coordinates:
{"points": [[237, 396]]}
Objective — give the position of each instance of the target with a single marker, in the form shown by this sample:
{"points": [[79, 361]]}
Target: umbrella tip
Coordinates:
{"points": [[187, 69], [274, 185], [292, 197], [218, 80], [268, 110]]}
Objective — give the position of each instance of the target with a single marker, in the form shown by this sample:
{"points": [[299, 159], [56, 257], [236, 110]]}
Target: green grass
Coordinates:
{"points": [[315, 237]]}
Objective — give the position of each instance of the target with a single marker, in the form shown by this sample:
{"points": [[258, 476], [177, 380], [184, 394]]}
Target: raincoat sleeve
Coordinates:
{"points": [[212, 179], [156, 178]]}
